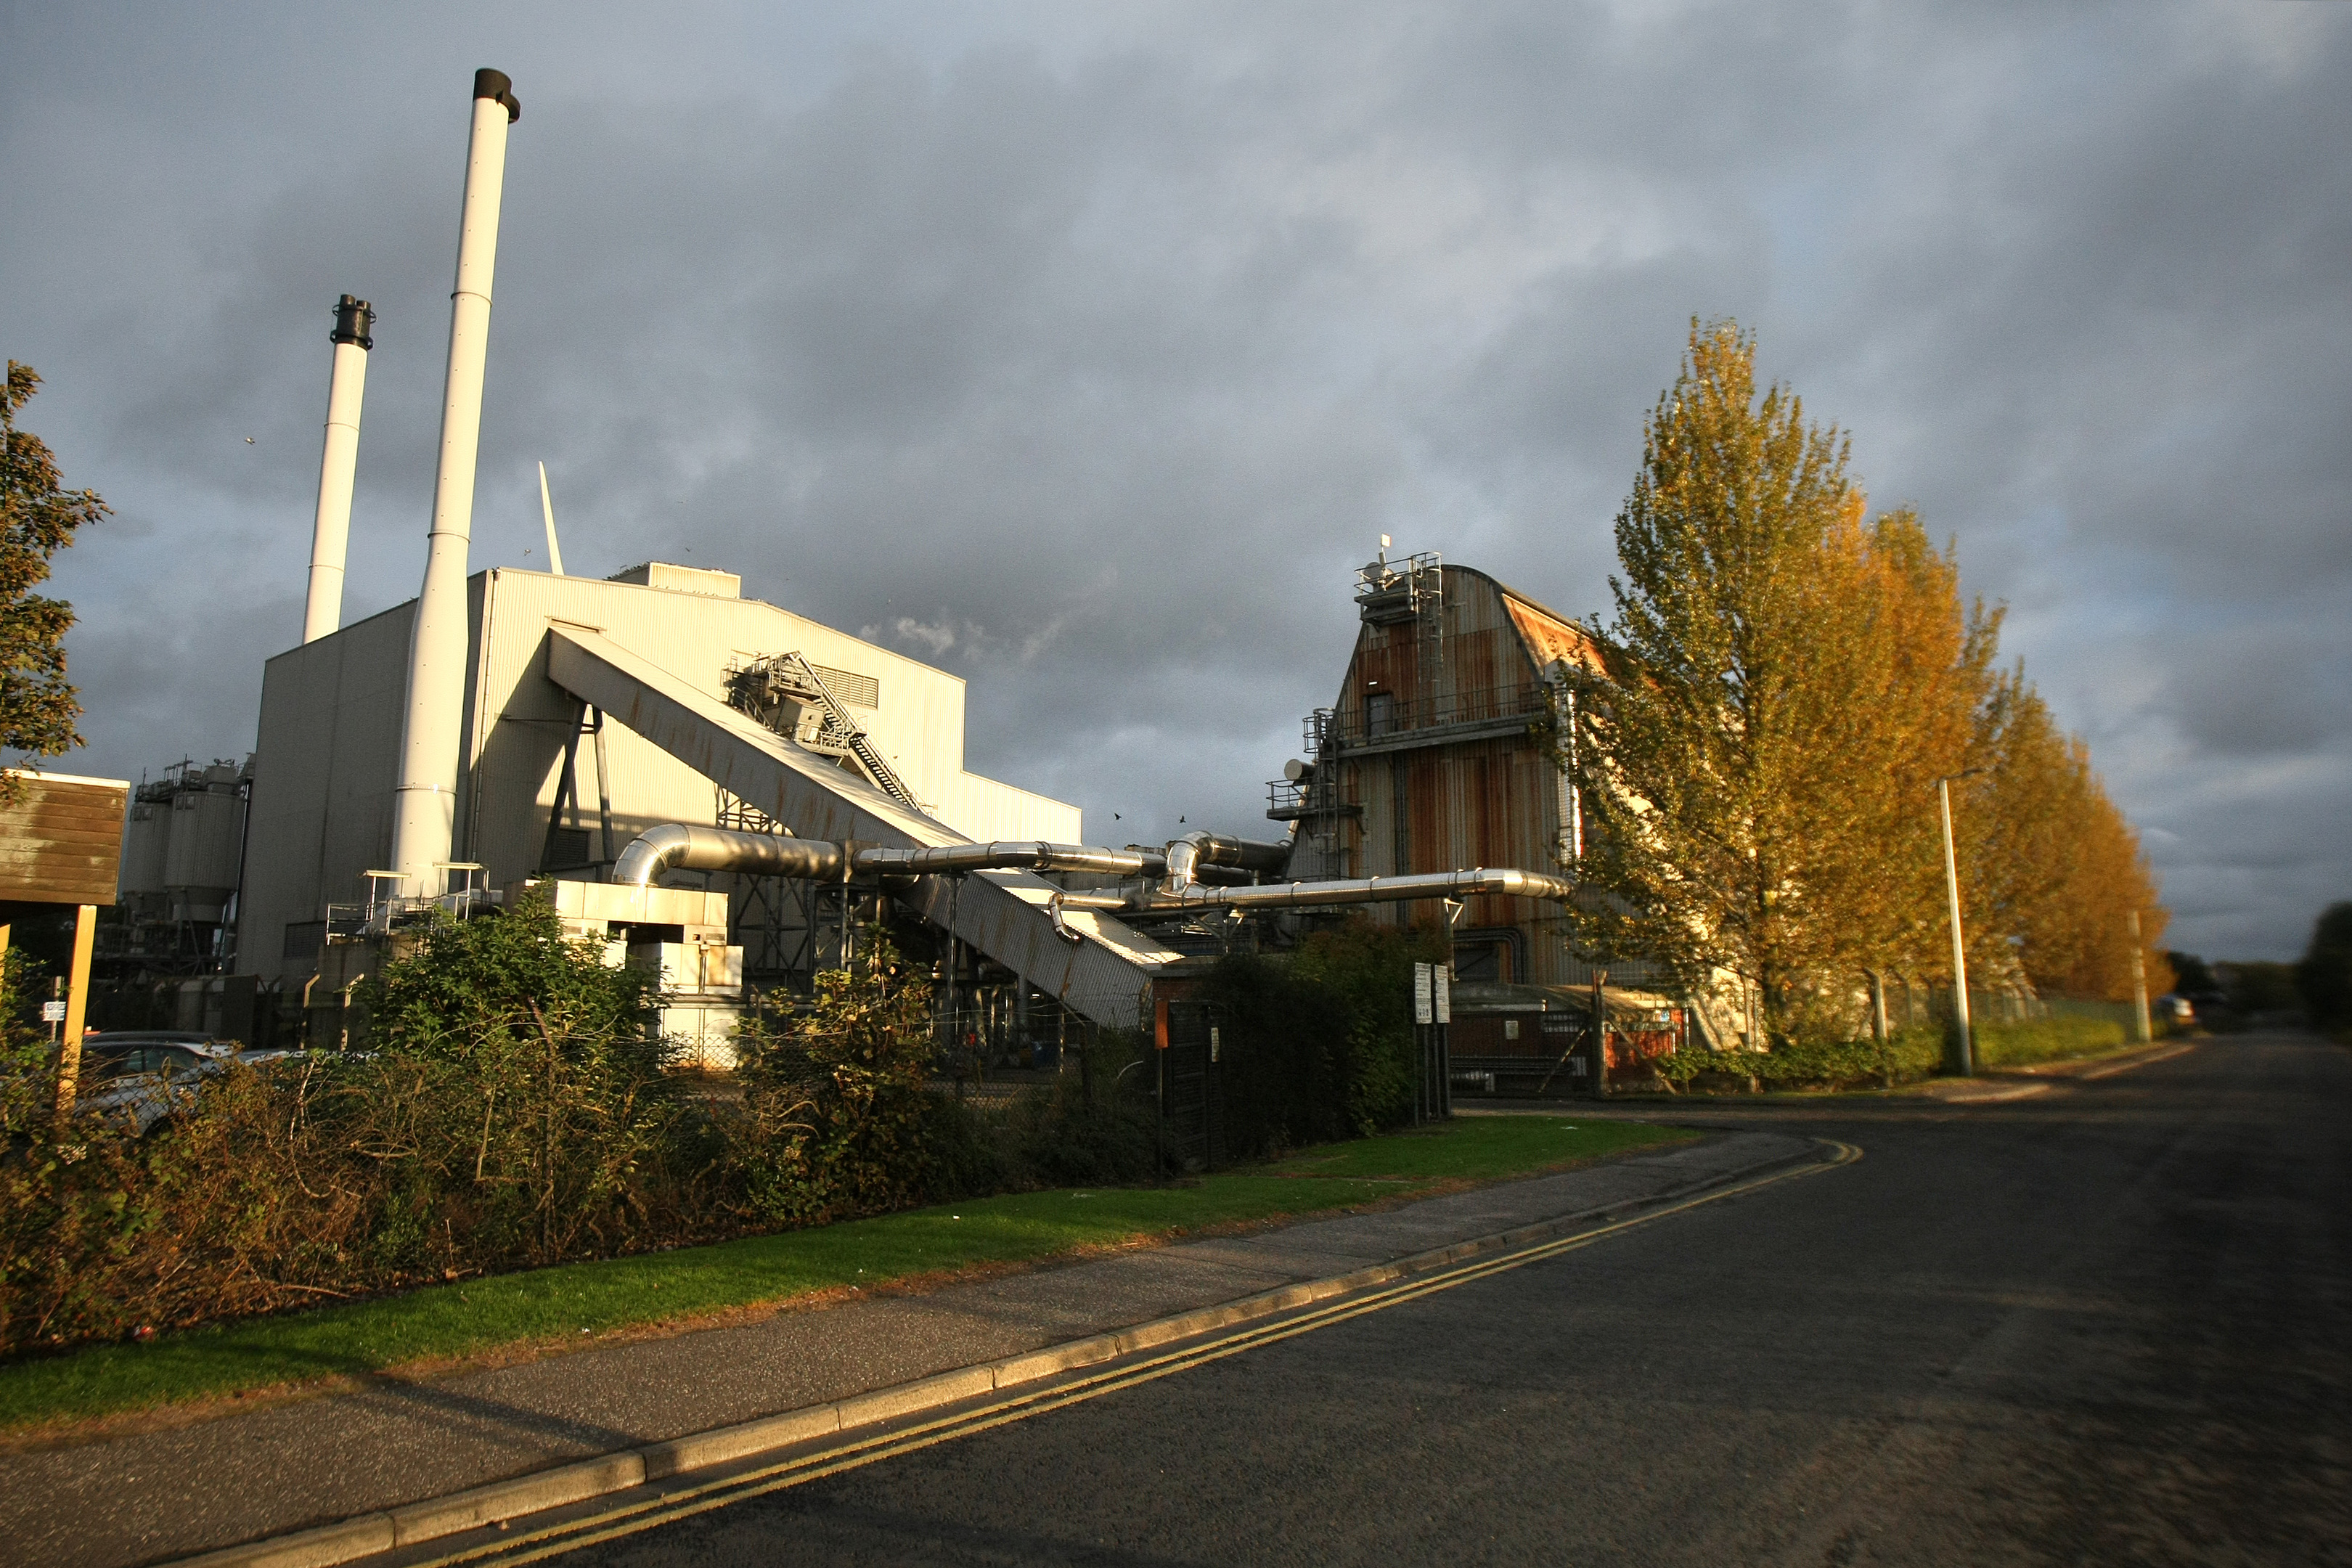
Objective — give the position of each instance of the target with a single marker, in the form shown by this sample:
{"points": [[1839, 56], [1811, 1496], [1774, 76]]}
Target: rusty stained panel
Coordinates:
{"points": [[1494, 646], [1484, 803], [1487, 802], [1547, 637], [1386, 660], [61, 838]]}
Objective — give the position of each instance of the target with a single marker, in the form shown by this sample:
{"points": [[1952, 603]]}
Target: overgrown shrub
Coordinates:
{"points": [[1318, 1045], [835, 1114], [1910, 1054], [1091, 1127], [511, 1111]]}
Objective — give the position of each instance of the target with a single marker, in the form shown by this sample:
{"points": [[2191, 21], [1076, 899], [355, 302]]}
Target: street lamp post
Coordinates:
{"points": [[1959, 947], [2139, 982]]}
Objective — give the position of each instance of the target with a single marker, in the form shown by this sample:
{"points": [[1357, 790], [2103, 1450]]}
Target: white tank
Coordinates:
{"points": [[144, 839], [200, 859]]}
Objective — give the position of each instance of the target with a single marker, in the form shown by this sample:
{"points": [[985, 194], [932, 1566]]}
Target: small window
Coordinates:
{"points": [[304, 938], [1481, 961]]}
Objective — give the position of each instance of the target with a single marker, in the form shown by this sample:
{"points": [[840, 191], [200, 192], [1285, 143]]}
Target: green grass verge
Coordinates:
{"points": [[2046, 1040], [448, 1322]]}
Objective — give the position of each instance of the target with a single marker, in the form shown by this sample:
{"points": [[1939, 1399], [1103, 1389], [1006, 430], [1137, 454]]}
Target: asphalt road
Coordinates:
{"points": [[2107, 1324]]}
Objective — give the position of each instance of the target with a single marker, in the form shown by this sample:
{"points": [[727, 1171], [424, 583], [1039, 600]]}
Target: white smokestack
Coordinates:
{"points": [[425, 801], [323, 611]]}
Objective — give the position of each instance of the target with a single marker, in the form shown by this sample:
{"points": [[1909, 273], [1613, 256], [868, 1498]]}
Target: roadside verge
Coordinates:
{"points": [[436, 1330]]}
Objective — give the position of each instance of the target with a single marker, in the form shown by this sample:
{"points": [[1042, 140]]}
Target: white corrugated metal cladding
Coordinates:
{"points": [[331, 713]]}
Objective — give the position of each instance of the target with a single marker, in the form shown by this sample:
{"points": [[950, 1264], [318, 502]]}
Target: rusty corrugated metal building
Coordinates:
{"points": [[1439, 752]]}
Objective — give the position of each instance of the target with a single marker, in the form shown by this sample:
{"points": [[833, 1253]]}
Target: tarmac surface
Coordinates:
{"points": [[2106, 1322], [151, 1496]]}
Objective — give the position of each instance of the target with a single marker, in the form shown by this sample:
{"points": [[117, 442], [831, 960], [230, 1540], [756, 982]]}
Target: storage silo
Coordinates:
{"points": [[146, 837], [205, 838]]}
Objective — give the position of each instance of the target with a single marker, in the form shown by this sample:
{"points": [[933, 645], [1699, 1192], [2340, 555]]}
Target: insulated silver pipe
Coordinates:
{"points": [[674, 847], [425, 797], [322, 610], [1013, 856], [1367, 890], [1187, 854]]}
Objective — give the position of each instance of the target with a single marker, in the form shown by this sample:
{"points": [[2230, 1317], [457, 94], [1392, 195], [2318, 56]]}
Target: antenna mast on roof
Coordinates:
{"points": [[546, 505]]}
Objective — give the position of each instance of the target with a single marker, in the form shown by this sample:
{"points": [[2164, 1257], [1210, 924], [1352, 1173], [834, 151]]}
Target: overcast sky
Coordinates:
{"points": [[1085, 349]]}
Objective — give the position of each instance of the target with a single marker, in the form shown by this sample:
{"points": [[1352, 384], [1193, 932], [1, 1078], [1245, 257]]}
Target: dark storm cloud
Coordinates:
{"points": [[1084, 351]]}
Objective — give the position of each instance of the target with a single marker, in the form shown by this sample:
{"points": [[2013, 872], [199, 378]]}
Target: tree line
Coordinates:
{"points": [[1786, 677]]}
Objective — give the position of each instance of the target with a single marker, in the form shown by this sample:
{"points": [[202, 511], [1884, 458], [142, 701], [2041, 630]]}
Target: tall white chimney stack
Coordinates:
{"points": [[331, 534], [424, 800]]}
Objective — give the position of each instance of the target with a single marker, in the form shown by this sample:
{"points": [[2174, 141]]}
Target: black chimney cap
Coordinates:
{"points": [[354, 319], [499, 87]]}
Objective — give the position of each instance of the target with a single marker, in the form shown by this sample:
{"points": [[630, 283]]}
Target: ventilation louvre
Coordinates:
{"points": [[854, 690]]}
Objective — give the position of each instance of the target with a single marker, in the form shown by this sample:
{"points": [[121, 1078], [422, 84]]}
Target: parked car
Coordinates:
{"points": [[2175, 1010], [136, 1079]]}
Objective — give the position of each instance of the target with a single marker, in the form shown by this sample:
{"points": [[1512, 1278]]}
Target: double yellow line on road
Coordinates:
{"points": [[649, 1514]]}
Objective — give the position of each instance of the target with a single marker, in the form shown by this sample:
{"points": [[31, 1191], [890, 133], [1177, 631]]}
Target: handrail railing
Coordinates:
{"points": [[1384, 715]]}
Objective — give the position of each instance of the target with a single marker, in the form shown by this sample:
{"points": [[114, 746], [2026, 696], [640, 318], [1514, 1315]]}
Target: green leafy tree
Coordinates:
{"points": [[2325, 975], [38, 517]]}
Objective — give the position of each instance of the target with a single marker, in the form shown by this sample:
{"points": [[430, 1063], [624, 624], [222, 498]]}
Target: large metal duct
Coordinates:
{"points": [[1098, 966], [1013, 856], [681, 847], [425, 799], [322, 612], [1185, 858], [1364, 890], [678, 846]]}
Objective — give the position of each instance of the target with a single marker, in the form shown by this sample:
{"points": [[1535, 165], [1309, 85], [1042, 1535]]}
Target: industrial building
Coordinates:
{"points": [[596, 710], [729, 792], [1442, 748], [550, 782]]}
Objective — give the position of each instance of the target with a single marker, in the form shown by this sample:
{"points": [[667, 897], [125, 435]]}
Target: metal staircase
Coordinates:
{"points": [[785, 692]]}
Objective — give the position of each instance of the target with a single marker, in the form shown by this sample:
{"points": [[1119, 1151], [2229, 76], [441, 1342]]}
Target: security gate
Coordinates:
{"points": [[1191, 1088]]}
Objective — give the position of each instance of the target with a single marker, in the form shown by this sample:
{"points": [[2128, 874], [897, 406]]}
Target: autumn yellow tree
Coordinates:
{"points": [[1912, 680], [1786, 680], [1716, 841], [2052, 863]]}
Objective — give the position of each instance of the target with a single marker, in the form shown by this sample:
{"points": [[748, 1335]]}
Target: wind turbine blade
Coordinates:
{"points": [[546, 505]]}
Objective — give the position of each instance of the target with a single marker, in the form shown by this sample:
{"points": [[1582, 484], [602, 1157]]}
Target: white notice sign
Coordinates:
{"points": [[1444, 993], [1423, 1012], [53, 1012]]}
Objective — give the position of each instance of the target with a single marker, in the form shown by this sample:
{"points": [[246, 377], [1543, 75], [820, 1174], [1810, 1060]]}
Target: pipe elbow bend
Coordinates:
{"points": [[651, 853]]}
